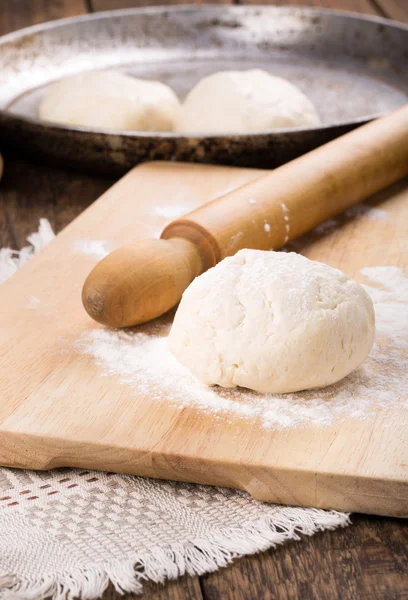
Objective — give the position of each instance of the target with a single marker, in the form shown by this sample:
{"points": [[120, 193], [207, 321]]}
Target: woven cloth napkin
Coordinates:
{"points": [[68, 533]]}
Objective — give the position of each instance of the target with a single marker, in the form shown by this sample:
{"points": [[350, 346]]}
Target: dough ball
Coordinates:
{"points": [[272, 322], [110, 100], [240, 101]]}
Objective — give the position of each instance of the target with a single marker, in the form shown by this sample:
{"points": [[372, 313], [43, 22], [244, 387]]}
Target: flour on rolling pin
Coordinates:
{"points": [[140, 358], [285, 212]]}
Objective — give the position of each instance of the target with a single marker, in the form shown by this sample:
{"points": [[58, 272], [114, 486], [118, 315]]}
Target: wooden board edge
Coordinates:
{"points": [[342, 492]]}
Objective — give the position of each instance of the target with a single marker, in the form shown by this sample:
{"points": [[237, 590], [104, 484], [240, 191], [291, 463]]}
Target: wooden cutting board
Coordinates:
{"points": [[59, 406]]}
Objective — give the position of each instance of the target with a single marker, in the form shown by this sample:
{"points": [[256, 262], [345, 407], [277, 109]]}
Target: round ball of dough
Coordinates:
{"points": [[240, 101], [272, 322], [110, 100]]}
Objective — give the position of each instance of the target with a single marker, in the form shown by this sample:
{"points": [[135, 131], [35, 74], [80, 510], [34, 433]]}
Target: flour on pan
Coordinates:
{"points": [[140, 359]]}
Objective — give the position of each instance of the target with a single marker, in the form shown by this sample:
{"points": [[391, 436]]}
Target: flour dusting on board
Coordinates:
{"points": [[96, 248], [33, 302], [172, 211], [358, 211], [366, 212], [140, 358]]}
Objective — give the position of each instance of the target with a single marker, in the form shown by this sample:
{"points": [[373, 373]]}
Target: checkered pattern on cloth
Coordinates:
{"points": [[67, 531]]}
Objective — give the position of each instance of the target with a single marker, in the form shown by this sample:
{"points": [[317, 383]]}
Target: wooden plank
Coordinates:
{"points": [[187, 588], [15, 15], [362, 6], [76, 429], [367, 560], [393, 9]]}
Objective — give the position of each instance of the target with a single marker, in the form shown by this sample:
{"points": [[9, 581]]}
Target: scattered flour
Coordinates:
{"points": [[33, 302], [326, 227], [171, 211], [252, 201], [156, 233], [267, 227], [140, 358], [367, 212], [223, 192], [359, 211], [97, 248]]}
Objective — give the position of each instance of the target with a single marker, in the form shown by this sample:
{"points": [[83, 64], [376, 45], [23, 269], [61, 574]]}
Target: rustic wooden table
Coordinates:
{"points": [[366, 560]]}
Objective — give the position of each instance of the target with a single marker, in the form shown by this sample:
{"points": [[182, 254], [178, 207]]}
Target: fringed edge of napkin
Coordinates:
{"points": [[197, 557]]}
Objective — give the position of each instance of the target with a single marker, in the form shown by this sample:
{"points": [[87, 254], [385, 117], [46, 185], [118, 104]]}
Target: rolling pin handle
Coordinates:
{"points": [[140, 281]]}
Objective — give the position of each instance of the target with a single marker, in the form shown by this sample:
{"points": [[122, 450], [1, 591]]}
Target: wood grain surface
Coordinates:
{"points": [[367, 560], [56, 416]]}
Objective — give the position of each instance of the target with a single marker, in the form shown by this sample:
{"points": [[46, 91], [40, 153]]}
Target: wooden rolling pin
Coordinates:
{"points": [[143, 280]]}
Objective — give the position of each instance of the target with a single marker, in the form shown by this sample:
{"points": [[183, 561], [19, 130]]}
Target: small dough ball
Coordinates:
{"points": [[110, 100], [240, 101], [272, 322]]}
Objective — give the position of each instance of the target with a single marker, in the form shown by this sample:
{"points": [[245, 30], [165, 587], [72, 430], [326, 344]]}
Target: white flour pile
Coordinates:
{"points": [[140, 358]]}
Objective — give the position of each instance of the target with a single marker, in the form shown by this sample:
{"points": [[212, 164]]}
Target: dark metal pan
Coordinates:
{"points": [[353, 68]]}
